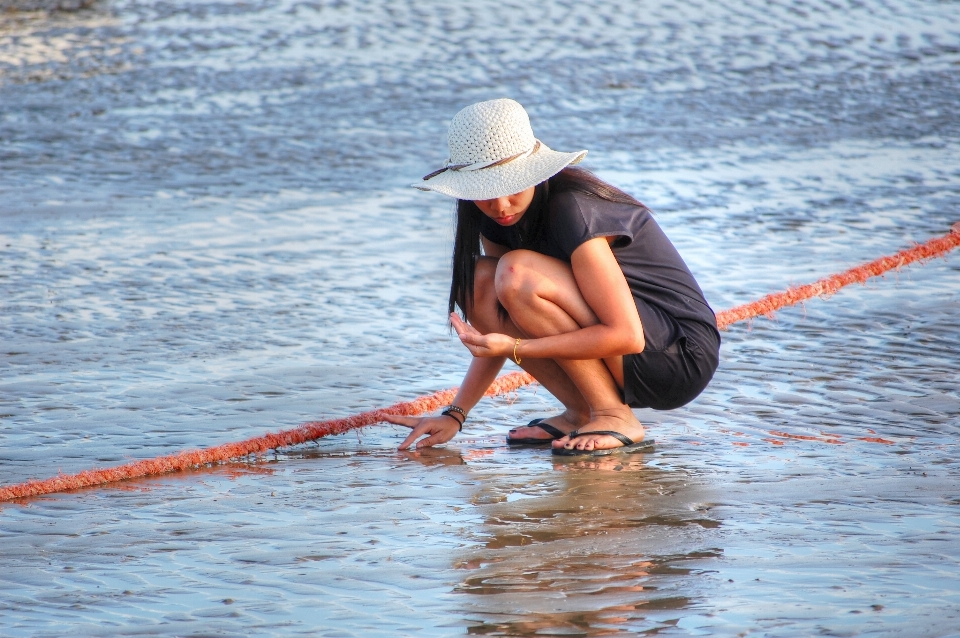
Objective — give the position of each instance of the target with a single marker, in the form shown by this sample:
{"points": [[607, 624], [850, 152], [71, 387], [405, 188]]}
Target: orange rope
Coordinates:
{"points": [[194, 458], [829, 285], [507, 383]]}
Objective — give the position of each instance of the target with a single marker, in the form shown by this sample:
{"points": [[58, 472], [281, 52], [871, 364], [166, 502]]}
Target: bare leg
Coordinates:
{"points": [[543, 299], [484, 317]]}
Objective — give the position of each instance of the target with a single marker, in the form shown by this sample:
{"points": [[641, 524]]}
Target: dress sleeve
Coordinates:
{"points": [[576, 218]]}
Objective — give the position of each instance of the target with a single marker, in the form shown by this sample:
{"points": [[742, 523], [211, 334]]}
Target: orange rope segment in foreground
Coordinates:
{"points": [[257, 445], [505, 384]]}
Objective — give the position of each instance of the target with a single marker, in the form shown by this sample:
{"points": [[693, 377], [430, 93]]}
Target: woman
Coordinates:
{"points": [[576, 283]]}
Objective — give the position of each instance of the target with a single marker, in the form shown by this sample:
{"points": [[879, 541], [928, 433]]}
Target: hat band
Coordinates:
{"points": [[482, 165]]}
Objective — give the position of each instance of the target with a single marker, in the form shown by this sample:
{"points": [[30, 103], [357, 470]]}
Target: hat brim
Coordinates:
{"points": [[501, 181]]}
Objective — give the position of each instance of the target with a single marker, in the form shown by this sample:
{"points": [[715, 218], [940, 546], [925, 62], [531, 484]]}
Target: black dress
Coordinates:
{"points": [[682, 348]]}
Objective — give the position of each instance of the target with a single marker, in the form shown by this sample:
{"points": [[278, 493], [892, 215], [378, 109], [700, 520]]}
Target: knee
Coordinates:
{"points": [[516, 281]]}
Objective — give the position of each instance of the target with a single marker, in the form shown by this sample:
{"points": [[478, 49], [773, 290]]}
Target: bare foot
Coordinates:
{"points": [[620, 420], [566, 422]]}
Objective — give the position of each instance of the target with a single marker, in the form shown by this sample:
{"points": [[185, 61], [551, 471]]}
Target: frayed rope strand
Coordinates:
{"points": [[503, 385]]}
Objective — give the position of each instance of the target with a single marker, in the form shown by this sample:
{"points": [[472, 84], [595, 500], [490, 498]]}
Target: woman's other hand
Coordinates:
{"points": [[482, 345], [440, 428]]}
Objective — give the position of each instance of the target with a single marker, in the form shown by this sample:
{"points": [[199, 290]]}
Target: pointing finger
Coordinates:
{"points": [[433, 439], [406, 421], [413, 436]]}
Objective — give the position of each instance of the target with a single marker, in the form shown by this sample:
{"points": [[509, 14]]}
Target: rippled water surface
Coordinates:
{"points": [[206, 234]]}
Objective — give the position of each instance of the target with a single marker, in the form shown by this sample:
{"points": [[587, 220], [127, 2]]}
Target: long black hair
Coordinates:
{"points": [[467, 246]]}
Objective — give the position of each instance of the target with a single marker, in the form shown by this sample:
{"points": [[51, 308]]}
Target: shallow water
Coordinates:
{"points": [[206, 234]]}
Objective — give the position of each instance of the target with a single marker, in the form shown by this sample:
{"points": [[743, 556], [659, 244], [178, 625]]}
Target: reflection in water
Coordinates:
{"points": [[434, 456], [598, 547]]}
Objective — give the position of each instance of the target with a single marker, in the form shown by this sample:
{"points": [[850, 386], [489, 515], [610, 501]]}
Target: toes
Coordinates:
{"points": [[589, 443]]}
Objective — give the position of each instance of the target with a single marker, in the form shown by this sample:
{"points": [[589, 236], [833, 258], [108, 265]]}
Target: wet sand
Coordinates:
{"points": [[206, 234]]}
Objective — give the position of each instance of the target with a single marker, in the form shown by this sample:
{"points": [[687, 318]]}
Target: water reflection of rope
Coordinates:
{"points": [[505, 384]]}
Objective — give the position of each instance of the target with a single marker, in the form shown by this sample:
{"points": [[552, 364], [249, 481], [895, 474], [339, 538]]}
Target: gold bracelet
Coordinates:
{"points": [[517, 361]]}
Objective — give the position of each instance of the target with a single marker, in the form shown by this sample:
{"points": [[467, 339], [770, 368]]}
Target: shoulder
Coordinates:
{"points": [[566, 201], [575, 207], [571, 208], [586, 203]]}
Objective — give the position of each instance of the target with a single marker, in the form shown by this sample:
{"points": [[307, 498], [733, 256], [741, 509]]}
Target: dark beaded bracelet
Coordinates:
{"points": [[458, 410], [455, 410]]}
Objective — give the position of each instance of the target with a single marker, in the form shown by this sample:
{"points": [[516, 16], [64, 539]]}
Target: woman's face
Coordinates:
{"points": [[508, 210]]}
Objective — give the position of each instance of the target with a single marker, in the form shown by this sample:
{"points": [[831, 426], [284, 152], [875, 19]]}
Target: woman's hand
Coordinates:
{"points": [[482, 345], [440, 428]]}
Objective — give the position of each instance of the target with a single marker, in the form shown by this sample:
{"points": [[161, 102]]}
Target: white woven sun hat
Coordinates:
{"points": [[493, 153]]}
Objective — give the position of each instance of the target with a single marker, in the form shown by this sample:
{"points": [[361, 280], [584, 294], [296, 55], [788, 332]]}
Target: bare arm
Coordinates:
{"points": [[482, 370], [440, 429], [480, 374]]}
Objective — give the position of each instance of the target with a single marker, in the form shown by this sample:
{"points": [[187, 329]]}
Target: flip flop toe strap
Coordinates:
{"points": [[549, 429], [536, 423], [623, 439], [531, 424]]}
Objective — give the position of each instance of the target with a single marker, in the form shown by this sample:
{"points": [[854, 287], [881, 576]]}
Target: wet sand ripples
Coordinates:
{"points": [[206, 234]]}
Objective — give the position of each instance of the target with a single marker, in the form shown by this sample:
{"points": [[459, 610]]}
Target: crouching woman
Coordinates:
{"points": [[573, 280]]}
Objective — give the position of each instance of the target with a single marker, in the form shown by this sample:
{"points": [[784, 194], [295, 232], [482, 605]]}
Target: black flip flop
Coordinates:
{"points": [[546, 427], [628, 447]]}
